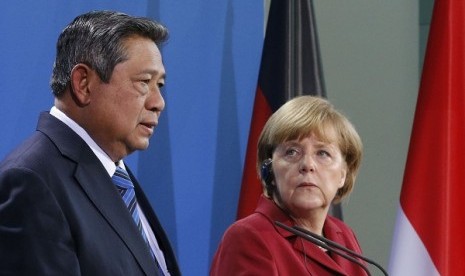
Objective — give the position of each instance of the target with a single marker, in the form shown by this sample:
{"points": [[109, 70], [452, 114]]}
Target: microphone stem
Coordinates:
{"points": [[326, 245], [340, 247]]}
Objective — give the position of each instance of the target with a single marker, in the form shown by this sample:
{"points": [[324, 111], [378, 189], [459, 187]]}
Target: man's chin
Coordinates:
{"points": [[143, 145]]}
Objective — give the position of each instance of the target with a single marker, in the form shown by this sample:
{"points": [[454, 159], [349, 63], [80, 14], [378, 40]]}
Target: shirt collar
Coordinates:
{"points": [[106, 161]]}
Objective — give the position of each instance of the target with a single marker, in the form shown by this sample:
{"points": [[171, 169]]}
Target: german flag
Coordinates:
{"points": [[290, 67]]}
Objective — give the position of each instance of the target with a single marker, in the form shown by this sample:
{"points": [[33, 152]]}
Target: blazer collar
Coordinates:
{"points": [[98, 186], [269, 209]]}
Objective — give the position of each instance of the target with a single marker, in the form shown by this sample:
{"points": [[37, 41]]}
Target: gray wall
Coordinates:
{"points": [[371, 55]]}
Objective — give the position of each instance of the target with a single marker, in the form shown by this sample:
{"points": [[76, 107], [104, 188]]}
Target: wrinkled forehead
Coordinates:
{"points": [[325, 133]]}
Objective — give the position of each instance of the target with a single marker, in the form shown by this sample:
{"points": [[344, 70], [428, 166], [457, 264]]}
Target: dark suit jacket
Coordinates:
{"points": [[60, 213], [256, 246]]}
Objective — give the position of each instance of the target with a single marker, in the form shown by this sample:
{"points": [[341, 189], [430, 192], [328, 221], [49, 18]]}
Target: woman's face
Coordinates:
{"points": [[308, 173]]}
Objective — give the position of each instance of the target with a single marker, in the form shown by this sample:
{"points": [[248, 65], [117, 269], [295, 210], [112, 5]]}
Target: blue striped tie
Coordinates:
{"points": [[125, 187]]}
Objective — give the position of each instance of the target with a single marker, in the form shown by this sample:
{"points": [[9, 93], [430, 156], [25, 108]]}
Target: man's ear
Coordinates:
{"points": [[81, 76]]}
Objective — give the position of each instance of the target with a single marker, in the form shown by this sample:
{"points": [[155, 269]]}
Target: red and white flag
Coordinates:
{"points": [[429, 238]]}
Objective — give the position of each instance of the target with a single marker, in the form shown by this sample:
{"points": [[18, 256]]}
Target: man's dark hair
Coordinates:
{"points": [[97, 40]]}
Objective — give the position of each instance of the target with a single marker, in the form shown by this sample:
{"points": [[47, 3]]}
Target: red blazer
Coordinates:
{"points": [[256, 246]]}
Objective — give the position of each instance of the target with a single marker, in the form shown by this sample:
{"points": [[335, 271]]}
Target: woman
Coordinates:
{"points": [[308, 158]]}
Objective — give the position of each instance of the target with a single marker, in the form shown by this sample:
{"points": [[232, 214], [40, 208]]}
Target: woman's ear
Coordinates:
{"points": [[343, 177], [81, 76]]}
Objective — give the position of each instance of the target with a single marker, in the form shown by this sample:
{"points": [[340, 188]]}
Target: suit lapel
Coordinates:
{"points": [[308, 249], [319, 256], [97, 184], [162, 239], [115, 213], [336, 234], [312, 251]]}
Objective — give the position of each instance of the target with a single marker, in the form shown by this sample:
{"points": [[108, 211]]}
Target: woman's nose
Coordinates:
{"points": [[307, 164]]}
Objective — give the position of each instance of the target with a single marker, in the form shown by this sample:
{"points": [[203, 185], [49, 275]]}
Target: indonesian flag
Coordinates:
{"points": [[429, 238], [290, 66]]}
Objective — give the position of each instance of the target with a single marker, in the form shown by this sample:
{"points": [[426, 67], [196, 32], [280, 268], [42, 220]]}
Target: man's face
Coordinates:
{"points": [[125, 111]]}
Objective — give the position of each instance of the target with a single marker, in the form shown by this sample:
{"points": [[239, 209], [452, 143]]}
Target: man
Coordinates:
{"points": [[64, 209]]}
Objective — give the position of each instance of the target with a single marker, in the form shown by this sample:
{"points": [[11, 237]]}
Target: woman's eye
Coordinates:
{"points": [[292, 152], [323, 153]]}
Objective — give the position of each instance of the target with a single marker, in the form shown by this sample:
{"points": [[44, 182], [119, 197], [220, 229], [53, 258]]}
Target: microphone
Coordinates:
{"points": [[331, 246]]}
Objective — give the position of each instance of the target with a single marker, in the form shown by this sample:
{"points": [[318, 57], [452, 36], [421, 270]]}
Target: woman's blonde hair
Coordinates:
{"points": [[302, 116]]}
